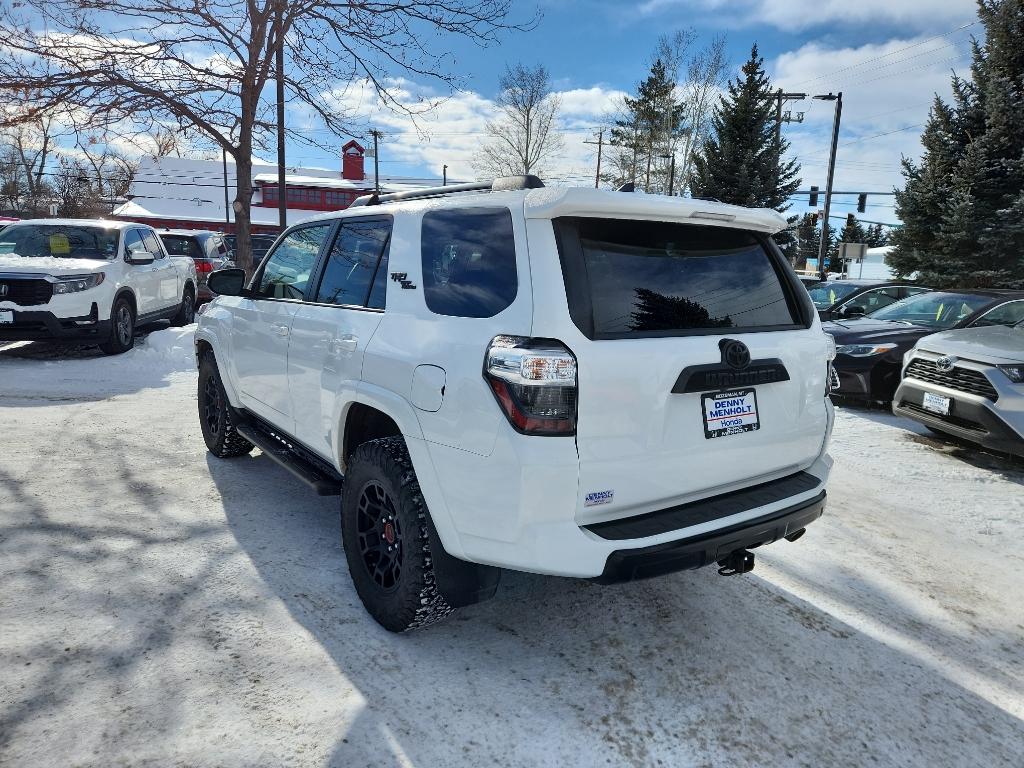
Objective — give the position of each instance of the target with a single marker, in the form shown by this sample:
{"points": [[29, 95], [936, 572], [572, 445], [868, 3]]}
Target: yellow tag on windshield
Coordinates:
{"points": [[938, 315], [59, 245], [831, 297]]}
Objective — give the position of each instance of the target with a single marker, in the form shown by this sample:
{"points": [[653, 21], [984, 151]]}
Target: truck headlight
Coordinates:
{"points": [[864, 350], [77, 283], [1014, 373]]}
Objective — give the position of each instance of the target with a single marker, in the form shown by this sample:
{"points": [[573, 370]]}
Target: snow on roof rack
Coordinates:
{"points": [[500, 184]]}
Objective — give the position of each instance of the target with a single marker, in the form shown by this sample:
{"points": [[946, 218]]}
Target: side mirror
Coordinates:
{"points": [[227, 282], [139, 256], [854, 310]]}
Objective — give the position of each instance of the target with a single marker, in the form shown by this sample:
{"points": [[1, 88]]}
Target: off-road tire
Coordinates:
{"points": [[215, 413], [122, 328], [187, 310], [383, 470]]}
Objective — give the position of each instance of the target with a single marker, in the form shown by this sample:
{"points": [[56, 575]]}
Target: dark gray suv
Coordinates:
{"points": [[208, 250]]}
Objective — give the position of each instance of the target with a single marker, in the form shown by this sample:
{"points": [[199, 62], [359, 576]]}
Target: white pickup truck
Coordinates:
{"points": [[91, 281]]}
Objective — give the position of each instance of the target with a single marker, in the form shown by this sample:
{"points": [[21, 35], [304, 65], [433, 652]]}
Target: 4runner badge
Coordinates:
{"points": [[400, 277], [598, 497]]}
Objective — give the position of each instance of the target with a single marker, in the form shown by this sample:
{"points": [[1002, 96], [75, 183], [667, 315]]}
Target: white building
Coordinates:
{"points": [[181, 193]]}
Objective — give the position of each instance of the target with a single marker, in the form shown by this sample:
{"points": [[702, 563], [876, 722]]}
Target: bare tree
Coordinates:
{"points": [[202, 66], [705, 78], [14, 192], [28, 146], [524, 137], [656, 130], [167, 143], [111, 168], [74, 193]]}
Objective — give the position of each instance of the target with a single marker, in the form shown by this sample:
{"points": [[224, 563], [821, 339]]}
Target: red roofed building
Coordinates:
{"points": [[181, 193]]}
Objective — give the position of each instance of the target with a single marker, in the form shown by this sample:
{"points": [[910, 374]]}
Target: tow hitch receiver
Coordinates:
{"points": [[737, 562]]}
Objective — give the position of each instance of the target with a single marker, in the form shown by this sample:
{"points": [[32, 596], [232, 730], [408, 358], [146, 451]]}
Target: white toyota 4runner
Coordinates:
{"points": [[574, 382], [90, 281]]}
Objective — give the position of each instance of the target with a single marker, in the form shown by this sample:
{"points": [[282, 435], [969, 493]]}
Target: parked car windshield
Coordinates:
{"points": [[935, 310], [59, 241], [824, 295]]}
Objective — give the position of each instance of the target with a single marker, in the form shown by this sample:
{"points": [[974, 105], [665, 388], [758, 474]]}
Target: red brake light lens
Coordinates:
{"points": [[203, 266], [534, 382]]}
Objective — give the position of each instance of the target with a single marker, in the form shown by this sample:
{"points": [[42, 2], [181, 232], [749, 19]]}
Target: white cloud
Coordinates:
{"points": [[887, 87], [803, 14], [448, 131]]}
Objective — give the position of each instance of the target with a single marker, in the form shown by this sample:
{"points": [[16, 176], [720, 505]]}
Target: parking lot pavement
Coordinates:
{"points": [[160, 607]]}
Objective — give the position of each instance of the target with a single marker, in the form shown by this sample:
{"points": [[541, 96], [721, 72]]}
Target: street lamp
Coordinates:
{"points": [[838, 99]]}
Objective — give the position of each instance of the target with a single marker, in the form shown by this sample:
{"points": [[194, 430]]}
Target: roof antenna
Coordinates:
{"points": [[629, 186]]}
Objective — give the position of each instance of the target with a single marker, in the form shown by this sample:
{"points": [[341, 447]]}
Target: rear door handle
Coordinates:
{"points": [[343, 345], [280, 330]]}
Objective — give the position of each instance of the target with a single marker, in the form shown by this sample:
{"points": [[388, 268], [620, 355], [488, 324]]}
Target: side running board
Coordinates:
{"points": [[314, 473]]}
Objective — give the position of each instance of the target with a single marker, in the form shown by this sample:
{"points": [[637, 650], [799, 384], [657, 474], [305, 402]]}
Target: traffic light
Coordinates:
{"points": [[814, 219], [813, 203], [862, 202], [851, 220]]}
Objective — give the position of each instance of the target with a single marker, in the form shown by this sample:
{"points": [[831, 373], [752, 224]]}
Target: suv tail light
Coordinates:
{"points": [[203, 266], [534, 382]]}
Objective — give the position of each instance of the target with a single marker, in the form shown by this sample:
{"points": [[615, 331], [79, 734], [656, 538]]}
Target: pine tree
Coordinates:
{"points": [[963, 204], [808, 238], [876, 237], [650, 122], [853, 231], [741, 162]]}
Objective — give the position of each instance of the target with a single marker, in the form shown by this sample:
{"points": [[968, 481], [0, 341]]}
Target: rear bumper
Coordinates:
{"points": [[42, 326], [970, 417], [698, 551], [542, 538]]}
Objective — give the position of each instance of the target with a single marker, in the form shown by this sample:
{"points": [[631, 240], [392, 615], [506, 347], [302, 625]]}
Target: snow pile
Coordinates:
{"points": [[68, 371], [168, 350]]}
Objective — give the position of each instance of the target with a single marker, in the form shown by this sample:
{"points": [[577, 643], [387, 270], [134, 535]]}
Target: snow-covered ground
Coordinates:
{"points": [[159, 607]]}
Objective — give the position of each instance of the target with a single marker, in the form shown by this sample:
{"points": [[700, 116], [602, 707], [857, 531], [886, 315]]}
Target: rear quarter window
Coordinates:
{"points": [[469, 261], [642, 278]]}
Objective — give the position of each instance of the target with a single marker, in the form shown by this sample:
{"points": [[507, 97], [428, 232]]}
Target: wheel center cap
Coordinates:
{"points": [[389, 533]]}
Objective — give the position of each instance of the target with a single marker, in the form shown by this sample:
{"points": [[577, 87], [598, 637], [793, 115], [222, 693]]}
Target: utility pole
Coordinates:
{"points": [[444, 175], [672, 175], [780, 98], [282, 193], [780, 118], [838, 99], [376, 168], [227, 204], [600, 146]]}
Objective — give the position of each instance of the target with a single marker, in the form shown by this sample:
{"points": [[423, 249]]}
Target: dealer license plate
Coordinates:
{"points": [[936, 403], [730, 413], [6, 316]]}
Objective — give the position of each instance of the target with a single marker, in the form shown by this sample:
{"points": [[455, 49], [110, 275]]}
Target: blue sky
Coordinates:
{"points": [[887, 56]]}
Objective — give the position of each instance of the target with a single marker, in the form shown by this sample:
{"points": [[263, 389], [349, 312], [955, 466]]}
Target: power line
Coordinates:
{"points": [[829, 75]]}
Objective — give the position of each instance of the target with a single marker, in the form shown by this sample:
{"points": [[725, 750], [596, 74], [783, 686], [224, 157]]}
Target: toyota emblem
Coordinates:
{"points": [[735, 354], [945, 364]]}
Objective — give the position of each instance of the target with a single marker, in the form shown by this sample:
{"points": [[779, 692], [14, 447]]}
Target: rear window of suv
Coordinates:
{"points": [[628, 278], [469, 261]]}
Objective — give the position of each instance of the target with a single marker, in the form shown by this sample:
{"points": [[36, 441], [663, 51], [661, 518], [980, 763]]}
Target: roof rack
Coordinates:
{"points": [[500, 184]]}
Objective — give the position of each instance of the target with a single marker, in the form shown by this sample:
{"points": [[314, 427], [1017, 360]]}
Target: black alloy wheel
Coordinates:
{"points": [[380, 536]]}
